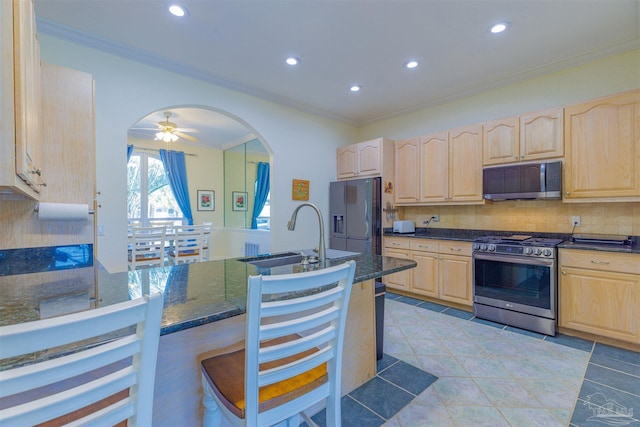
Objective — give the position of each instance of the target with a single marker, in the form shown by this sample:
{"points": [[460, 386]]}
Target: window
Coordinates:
{"points": [[149, 196], [265, 215]]}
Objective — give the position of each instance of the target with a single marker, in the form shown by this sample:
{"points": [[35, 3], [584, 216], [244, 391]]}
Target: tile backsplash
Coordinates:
{"points": [[532, 215]]}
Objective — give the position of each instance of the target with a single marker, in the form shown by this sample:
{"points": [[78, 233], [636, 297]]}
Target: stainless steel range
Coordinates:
{"points": [[515, 281]]}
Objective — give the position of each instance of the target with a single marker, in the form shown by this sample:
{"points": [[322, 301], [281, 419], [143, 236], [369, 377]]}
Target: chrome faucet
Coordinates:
{"points": [[291, 225]]}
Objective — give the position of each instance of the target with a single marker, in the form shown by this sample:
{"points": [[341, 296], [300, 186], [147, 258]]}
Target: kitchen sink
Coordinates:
{"points": [[274, 260]]}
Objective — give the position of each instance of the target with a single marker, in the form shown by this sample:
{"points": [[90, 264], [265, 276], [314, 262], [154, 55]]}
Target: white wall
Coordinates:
{"points": [[303, 145], [610, 75]]}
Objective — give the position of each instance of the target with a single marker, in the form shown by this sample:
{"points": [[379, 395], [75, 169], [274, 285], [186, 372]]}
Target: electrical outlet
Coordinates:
{"points": [[436, 218], [100, 230], [575, 221]]}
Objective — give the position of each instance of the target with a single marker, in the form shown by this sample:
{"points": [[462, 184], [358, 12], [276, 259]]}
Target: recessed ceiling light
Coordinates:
{"points": [[498, 28], [178, 11], [411, 64], [292, 61], [355, 88]]}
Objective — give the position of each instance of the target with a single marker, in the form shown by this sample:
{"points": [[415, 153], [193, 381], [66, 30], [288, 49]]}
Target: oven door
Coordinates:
{"points": [[516, 283]]}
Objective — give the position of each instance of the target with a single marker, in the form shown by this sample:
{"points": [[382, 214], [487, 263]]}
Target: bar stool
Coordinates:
{"points": [[292, 354]]}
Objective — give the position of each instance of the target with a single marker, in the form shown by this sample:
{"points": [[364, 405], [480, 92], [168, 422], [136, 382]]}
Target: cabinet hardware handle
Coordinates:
{"points": [[567, 193], [455, 249], [564, 273], [599, 262]]}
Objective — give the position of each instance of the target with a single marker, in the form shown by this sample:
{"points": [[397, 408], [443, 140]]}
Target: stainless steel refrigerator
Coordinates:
{"points": [[355, 211]]}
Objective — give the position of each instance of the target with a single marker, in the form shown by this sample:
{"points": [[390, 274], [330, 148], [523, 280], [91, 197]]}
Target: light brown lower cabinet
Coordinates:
{"points": [[599, 293], [443, 268]]}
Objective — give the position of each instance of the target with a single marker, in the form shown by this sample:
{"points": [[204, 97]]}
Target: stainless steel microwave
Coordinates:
{"points": [[523, 181]]}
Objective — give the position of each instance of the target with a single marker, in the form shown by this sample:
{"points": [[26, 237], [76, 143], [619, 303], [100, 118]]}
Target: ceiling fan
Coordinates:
{"points": [[170, 132]]}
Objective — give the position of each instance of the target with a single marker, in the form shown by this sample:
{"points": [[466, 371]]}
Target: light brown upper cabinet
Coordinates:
{"points": [[602, 149], [407, 167], [449, 170], [531, 136], [20, 100], [465, 164], [363, 159], [434, 161]]}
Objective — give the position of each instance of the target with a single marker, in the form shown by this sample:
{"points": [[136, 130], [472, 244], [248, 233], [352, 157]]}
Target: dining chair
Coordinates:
{"points": [[292, 353], [187, 244], [147, 246], [206, 240], [100, 384]]}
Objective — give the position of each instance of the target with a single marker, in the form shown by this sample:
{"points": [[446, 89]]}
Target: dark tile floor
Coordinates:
{"points": [[379, 399]]}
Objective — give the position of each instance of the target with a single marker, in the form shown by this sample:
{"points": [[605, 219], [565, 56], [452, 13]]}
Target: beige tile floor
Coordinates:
{"points": [[486, 376]]}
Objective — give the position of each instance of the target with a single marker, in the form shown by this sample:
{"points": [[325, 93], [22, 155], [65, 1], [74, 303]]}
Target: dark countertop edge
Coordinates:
{"points": [[469, 235]]}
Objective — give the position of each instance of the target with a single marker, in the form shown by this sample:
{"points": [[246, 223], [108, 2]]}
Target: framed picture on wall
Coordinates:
{"points": [[239, 200], [206, 200]]}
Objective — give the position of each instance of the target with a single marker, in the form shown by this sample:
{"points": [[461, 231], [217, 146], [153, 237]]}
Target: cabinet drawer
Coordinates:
{"points": [[424, 245], [448, 247], [602, 261], [396, 243]]}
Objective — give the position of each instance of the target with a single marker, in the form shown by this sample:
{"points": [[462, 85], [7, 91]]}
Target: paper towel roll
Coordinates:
{"points": [[63, 211]]}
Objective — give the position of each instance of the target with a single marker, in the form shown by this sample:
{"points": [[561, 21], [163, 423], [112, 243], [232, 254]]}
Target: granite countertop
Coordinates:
{"points": [[195, 294], [470, 235]]}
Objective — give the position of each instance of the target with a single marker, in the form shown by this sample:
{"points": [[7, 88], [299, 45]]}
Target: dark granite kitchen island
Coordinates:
{"points": [[204, 310]]}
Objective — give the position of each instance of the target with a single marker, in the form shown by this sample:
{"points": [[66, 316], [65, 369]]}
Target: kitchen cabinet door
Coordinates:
{"points": [[369, 158], [599, 293], [347, 162], [434, 167], [402, 279], [465, 164], [425, 275], [542, 135], [602, 149], [19, 101], [407, 170], [600, 302], [501, 141], [28, 103], [455, 279]]}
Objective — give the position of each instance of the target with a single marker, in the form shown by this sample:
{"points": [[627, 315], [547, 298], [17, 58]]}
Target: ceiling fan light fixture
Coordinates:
{"points": [[166, 137]]}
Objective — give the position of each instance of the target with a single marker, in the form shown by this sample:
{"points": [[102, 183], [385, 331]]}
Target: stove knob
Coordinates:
{"points": [[492, 248], [538, 251], [483, 247], [547, 252], [528, 251]]}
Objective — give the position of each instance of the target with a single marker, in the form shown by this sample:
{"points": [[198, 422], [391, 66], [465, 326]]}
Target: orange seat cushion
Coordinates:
{"points": [[225, 375]]}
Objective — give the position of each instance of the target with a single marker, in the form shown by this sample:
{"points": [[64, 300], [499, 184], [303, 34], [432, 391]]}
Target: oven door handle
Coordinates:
{"points": [[514, 259]]}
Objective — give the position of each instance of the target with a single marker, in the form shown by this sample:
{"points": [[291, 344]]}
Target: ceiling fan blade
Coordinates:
{"points": [[156, 128], [187, 137], [187, 130]]}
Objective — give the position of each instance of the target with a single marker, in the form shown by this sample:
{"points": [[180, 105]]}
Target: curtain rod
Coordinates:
{"points": [[157, 151]]}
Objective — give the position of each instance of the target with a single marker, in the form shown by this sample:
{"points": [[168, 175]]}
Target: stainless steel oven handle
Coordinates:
{"points": [[515, 259]]}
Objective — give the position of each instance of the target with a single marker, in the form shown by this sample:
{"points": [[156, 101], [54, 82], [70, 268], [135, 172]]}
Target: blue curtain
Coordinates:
{"points": [[261, 192], [176, 170], [129, 152]]}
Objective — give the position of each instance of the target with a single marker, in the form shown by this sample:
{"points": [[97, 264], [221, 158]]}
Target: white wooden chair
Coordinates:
{"points": [[100, 385], [292, 355], [147, 246], [206, 240], [188, 242]]}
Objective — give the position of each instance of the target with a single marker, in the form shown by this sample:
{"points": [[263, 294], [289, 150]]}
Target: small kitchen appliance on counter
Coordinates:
{"points": [[515, 281], [404, 227]]}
